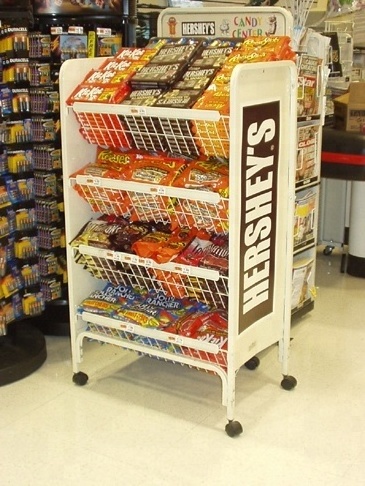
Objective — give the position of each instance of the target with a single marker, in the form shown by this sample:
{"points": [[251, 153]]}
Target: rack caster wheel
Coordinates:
{"points": [[328, 250], [233, 428], [252, 363], [288, 382], [80, 378]]}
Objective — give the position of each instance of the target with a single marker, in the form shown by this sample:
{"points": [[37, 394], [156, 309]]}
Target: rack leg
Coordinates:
{"points": [[79, 378], [288, 382], [233, 427], [77, 352]]}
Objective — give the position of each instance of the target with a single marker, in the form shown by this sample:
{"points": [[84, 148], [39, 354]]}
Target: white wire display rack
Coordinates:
{"points": [[259, 139]]}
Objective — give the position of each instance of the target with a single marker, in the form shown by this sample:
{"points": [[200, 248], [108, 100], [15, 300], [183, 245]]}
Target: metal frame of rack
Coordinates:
{"points": [[260, 138]]}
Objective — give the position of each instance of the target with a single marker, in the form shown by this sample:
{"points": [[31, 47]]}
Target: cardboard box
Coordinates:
{"points": [[349, 109]]}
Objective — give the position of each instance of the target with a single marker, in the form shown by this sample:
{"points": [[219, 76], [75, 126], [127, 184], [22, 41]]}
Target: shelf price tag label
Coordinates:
{"points": [[103, 31], [117, 256], [127, 327], [177, 340], [134, 259], [148, 262], [138, 110], [185, 270], [94, 181], [161, 191], [56, 30], [75, 29]]}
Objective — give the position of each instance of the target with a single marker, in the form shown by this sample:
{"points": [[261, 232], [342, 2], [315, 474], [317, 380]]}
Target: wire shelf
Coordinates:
{"points": [[204, 285], [182, 207], [212, 137], [168, 346], [194, 133], [103, 130]]}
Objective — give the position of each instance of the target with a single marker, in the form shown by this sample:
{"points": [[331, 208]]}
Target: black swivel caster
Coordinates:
{"points": [[80, 378], [252, 363], [328, 250], [234, 428], [288, 382]]}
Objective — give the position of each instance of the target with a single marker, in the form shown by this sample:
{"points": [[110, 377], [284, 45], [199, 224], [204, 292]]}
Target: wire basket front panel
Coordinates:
{"points": [[209, 291], [146, 133], [104, 130], [212, 137], [170, 348], [204, 290], [144, 206], [119, 273], [105, 200], [174, 135], [179, 137]]}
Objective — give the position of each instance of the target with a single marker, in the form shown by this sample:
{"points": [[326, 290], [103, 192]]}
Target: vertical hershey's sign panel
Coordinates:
{"points": [[260, 141], [236, 22], [262, 190]]}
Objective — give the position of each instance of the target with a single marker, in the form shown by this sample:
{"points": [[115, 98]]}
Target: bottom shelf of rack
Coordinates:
{"points": [[152, 342], [168, 350], [214, 363], [22, 351]]}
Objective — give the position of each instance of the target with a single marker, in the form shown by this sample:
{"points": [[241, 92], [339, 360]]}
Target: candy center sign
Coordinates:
{"points": [[224, 22]]}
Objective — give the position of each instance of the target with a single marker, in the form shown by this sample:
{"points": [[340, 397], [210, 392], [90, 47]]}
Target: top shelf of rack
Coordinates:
{"points": [[183, 131]]}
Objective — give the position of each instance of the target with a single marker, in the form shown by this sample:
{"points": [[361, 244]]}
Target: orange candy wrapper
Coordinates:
{"points": [[211, 175]]}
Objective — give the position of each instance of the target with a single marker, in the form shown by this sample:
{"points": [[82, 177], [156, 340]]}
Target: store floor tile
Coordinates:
{"points": [[141, 421]]}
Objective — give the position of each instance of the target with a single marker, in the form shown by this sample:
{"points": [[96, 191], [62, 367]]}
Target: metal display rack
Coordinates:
{"points": [[260, 138]]}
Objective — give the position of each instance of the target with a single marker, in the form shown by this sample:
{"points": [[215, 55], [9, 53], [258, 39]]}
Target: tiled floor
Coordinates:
{"points": [[144, 422]]}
